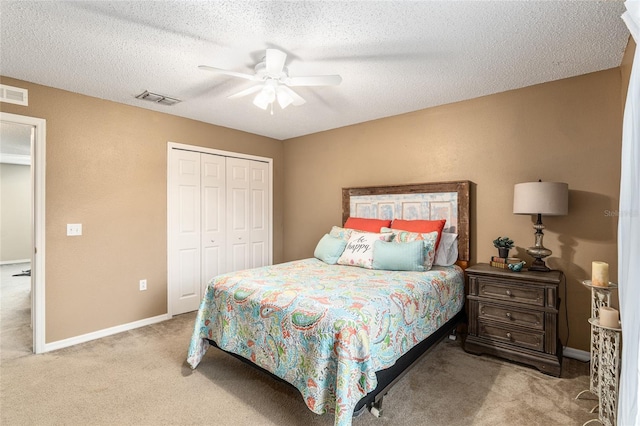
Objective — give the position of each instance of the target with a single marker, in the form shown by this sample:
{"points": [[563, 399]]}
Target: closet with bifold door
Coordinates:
{"points": [[219, 219]]}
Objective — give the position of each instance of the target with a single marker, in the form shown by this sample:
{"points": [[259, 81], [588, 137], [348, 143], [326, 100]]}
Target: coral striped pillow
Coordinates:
{"points": [[365, 224]]}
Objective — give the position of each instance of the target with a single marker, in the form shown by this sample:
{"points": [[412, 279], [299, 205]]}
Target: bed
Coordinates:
{"points": [[341, 334]]}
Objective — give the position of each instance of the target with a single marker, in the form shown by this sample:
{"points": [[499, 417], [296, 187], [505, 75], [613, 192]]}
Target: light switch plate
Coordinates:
{"points": [[74, 229]]}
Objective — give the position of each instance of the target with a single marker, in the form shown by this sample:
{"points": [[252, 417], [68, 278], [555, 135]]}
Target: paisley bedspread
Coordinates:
{"points": [[326, 329]]}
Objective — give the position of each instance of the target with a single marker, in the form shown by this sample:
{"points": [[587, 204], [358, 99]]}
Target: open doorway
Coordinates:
{"points": [[22, 152], [16, 229]]}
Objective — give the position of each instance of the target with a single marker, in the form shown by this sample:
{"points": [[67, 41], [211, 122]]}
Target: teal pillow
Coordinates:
{"points": [[398, 256], [329, 249]]}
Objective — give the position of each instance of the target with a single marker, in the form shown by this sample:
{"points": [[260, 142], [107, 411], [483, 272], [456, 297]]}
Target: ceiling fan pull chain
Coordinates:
{"points": [[271, 108]]}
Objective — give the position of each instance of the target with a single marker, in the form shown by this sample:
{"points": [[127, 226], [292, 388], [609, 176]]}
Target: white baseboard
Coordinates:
{"points": [[578, 354], [11, 262], [103, 333]]}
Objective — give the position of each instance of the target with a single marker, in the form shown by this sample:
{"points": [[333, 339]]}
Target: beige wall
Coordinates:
{"points": [[15, 212], [106, 168], [567, 130]]}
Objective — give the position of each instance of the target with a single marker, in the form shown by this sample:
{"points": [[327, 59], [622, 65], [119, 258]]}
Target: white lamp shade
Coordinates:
{"points": [[546, 198], [266, 97], [284, 99], [262, 99]]}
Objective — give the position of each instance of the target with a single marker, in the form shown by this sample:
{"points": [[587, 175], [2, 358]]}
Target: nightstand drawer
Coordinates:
{"points": [[509, 315], [525, 339], [514, 293], [514, 315]]}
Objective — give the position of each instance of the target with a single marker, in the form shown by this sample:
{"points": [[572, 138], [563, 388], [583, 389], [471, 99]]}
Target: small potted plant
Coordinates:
{"points": [[503, 244]]}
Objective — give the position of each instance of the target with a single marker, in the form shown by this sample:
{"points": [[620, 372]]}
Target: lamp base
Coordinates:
{"points": [[539, 251], [539, 266]]}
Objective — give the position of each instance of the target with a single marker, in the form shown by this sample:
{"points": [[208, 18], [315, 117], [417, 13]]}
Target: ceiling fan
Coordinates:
{"points": [[274, 82]]}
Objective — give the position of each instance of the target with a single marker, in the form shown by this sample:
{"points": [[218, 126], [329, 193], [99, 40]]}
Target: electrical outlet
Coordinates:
{"points": [[143, 285]]}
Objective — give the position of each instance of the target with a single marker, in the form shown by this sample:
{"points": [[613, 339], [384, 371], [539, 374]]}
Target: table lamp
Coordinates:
{"points": [[541, 198]]}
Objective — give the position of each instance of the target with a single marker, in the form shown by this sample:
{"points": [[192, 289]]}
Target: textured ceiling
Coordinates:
{"points": [[394, 57]]}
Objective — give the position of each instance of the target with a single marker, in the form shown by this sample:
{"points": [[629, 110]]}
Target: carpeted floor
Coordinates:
{"points": [[140, 377], [15, 311]]}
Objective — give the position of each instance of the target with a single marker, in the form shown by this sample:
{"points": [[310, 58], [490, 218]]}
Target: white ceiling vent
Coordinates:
{"points": [[159, 99], [14, 95]]}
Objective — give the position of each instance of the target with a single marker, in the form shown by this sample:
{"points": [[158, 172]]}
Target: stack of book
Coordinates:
{"points": [[501, 262]]}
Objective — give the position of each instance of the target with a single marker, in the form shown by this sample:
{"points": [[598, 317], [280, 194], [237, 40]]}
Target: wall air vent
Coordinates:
{"points": [[14, 95], [158, 99]]}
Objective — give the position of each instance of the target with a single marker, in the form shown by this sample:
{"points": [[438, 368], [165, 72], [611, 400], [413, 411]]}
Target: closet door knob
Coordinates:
{"points": [[508, 292], [509, 336], [508, 315]]}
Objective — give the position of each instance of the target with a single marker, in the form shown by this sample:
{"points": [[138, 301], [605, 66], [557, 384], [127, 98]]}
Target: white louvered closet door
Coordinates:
{"points": [[219, 221], [259, 216], [213, 192], [247, 214], [185, 231]]}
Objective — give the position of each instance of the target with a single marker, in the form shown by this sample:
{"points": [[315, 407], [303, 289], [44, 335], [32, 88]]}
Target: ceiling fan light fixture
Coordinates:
{"points": [[260, 101], [265, 97], [273, 75], [284, 99]]}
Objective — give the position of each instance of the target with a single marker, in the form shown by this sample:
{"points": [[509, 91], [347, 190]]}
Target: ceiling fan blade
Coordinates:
{"points": [[245, 92], [297, 99], [315, 80], [275, 61], [227, 72]]}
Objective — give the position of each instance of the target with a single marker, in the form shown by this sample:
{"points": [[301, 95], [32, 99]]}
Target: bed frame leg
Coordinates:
{"points": [[376, 408], [453, 335]]}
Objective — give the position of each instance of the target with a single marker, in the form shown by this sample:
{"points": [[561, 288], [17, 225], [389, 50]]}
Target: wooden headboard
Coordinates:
{"points": [[427, 201]]}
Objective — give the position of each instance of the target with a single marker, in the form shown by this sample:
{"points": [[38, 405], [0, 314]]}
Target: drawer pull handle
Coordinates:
{"points": [[509, 336], [508, 315], [508, 292]]}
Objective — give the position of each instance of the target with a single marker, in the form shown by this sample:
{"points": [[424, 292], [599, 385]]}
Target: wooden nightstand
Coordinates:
{"points": [[514, 315]]}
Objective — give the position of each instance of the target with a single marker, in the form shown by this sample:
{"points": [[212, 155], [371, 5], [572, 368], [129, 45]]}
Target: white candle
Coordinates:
{"points": [[609, 317], [599, 274]]}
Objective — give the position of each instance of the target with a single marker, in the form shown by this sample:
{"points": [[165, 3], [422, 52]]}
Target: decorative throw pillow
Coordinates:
{"points": [[421, 226], [342, 233], [329, 249], [398, 257], [365, 224], [428, 241], [384, 230], [447, 252], [359, 249]]}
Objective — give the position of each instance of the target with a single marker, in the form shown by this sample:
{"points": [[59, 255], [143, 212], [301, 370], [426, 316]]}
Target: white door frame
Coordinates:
{"points": [[170, 243], [38, 168]]}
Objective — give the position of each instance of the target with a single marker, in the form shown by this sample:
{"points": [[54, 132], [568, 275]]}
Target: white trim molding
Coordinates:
{"points": [[83, 338], [20, 160], [38, 175], [15, 262], [578, 354]]}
